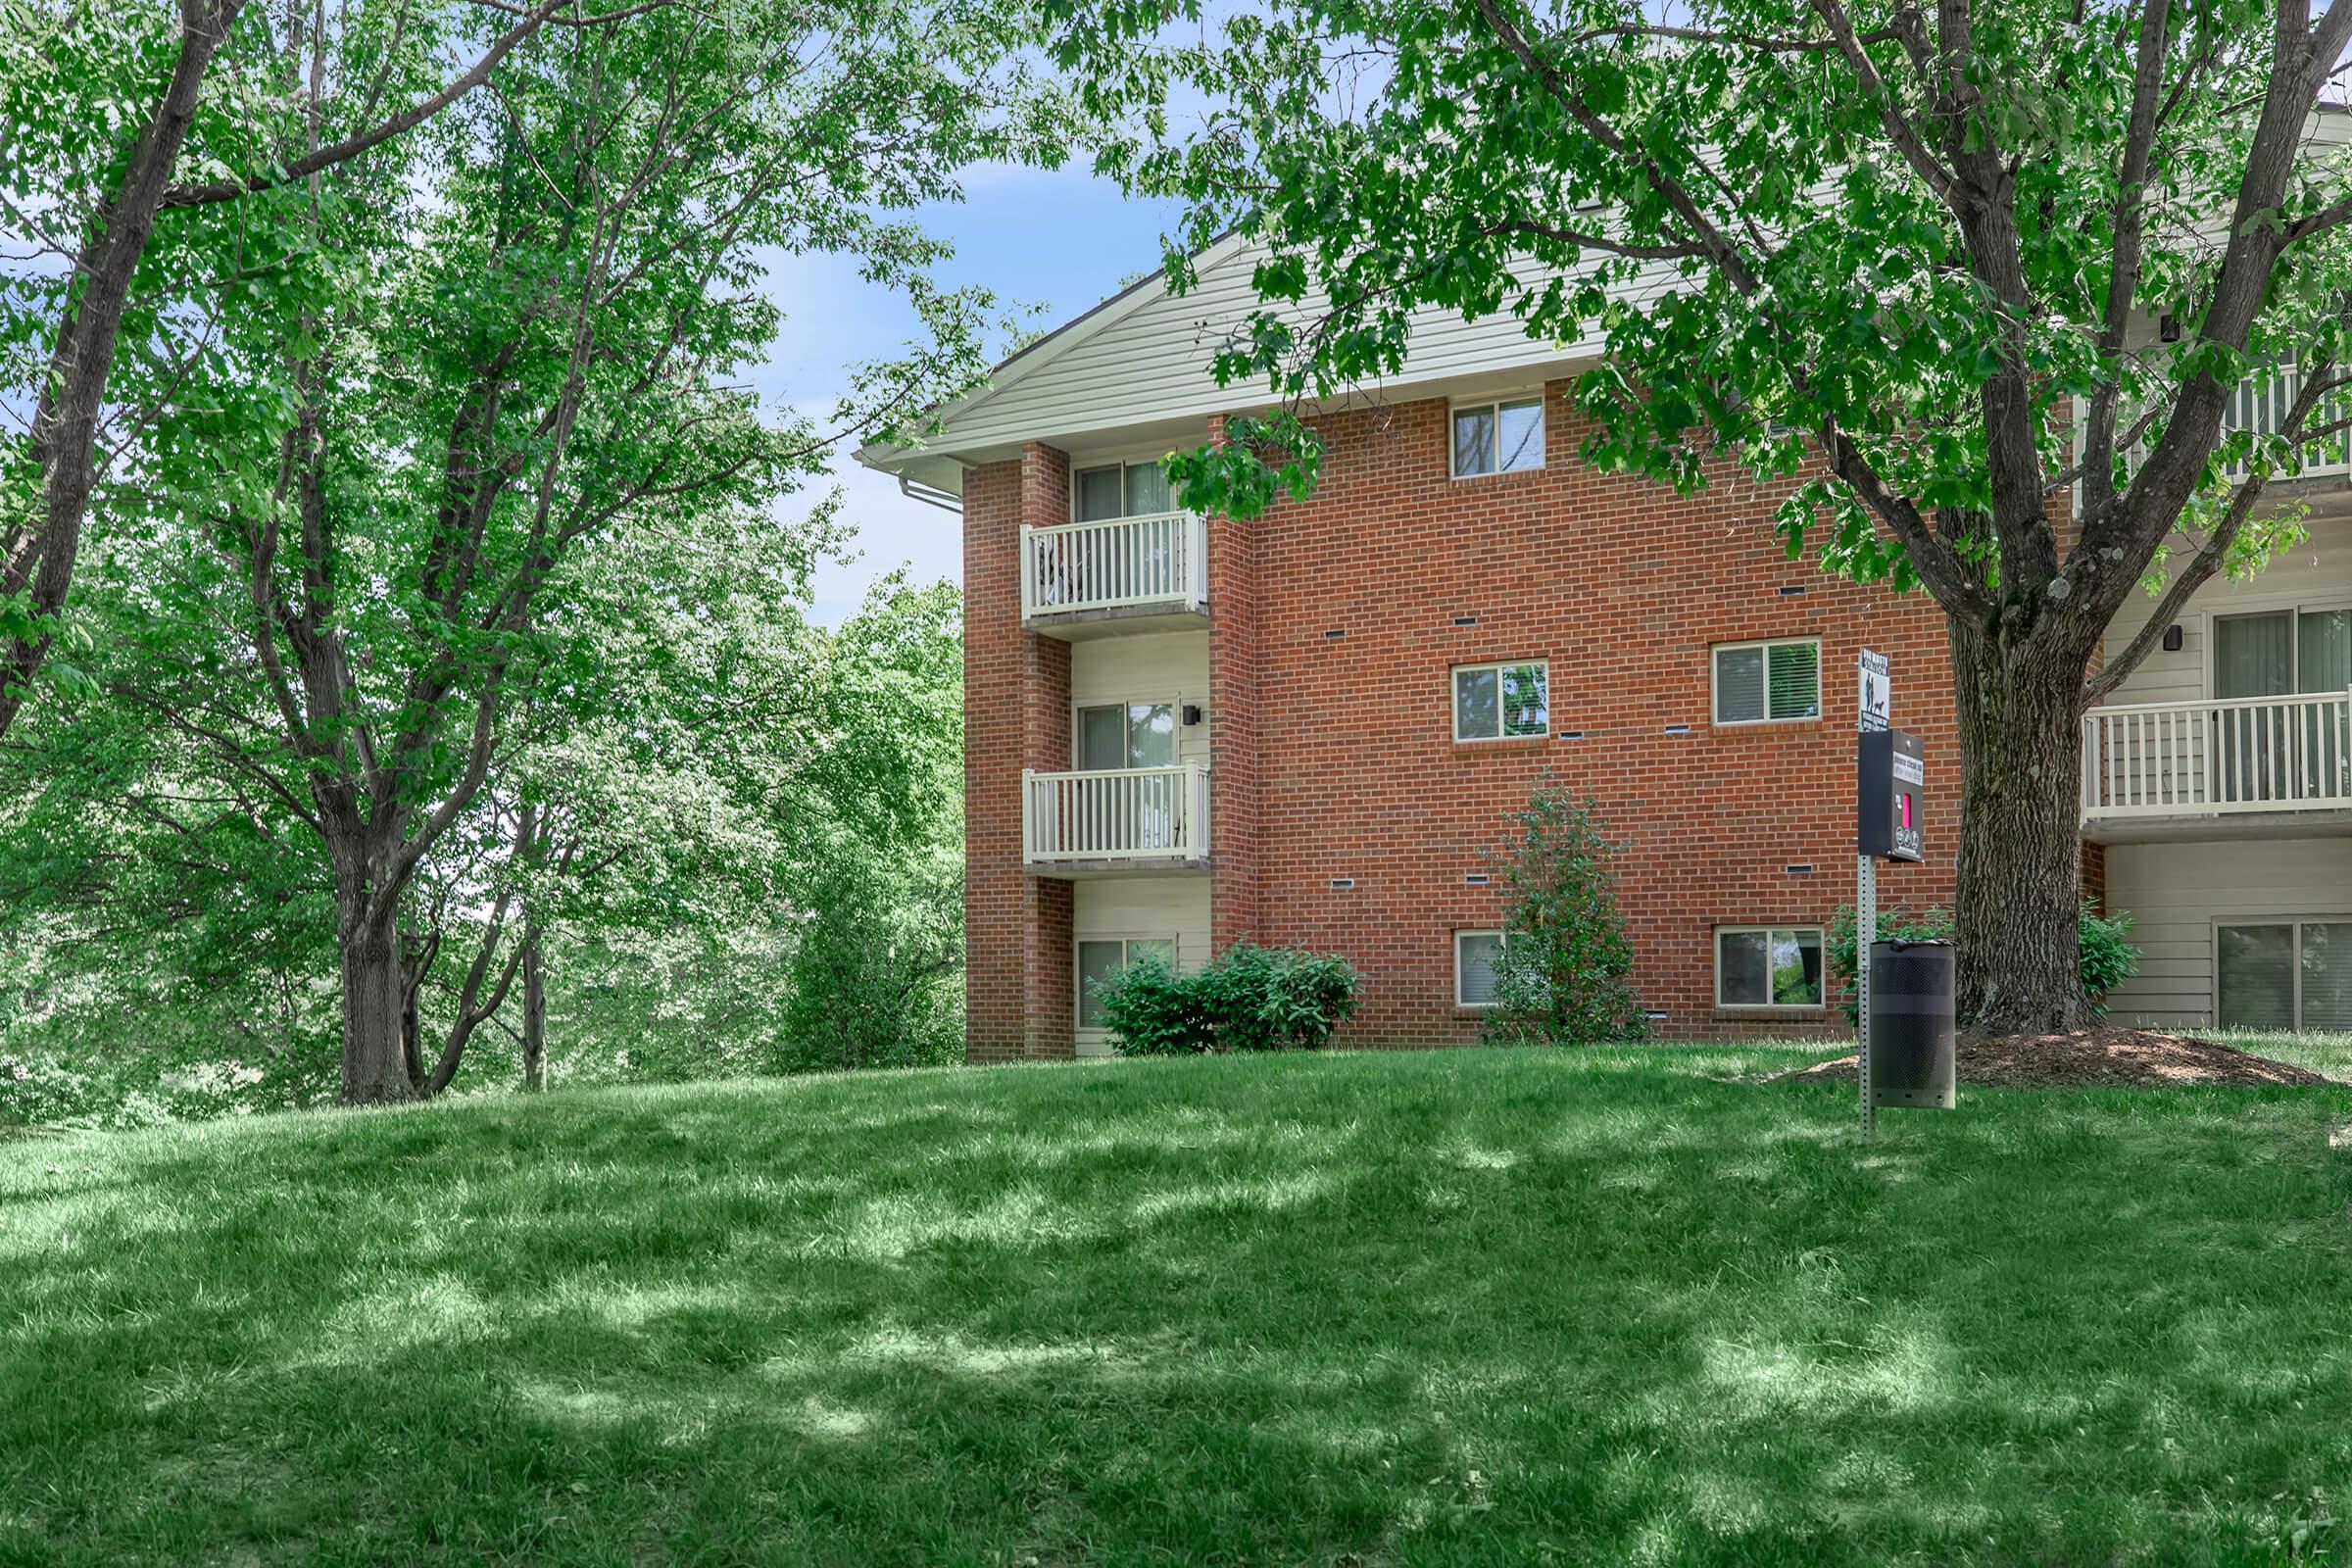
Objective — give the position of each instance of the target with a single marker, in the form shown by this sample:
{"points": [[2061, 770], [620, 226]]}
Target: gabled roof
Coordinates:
{"points": [[1136, 369]]}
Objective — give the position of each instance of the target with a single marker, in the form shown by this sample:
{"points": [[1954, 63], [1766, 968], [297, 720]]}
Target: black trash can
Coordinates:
{"points": [[1912, 986]]}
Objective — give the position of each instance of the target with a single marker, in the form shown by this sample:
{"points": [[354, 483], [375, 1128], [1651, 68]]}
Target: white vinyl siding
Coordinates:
{"points": [[1768, 966], [1156, 666], [1476, 954], [1148, 363], [2316, 576], [1507, 700], [2180, 895], [1768, 682], [1505, 437]]}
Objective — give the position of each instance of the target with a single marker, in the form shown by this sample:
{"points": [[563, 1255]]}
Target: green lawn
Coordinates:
{"points": [[1466, 1308]]}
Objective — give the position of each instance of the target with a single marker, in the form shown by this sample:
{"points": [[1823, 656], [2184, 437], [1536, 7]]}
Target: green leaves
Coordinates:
{"points": [[1754, 235]]}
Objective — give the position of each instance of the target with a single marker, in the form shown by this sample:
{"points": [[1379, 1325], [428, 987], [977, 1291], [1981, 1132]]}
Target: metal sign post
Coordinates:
{"points": [[1872, 714]]}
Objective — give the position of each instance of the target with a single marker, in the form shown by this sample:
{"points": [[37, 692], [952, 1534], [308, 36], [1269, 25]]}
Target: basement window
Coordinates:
{"points": [[1498, 437], [1476, 956], [1501, 702], [1768, 966]]}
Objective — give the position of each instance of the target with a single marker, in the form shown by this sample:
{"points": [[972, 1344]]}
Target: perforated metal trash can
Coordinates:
{"points": [[1912, 986]]}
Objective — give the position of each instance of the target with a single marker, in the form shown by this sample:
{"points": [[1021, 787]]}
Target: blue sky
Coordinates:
{"points": [[1057, 239]]}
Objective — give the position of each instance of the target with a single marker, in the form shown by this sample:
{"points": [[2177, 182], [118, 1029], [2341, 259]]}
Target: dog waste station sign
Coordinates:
{"points": [[1903, 991]]}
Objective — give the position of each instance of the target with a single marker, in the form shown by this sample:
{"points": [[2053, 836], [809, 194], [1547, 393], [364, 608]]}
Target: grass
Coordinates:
{"points": [[1467, 1308]]}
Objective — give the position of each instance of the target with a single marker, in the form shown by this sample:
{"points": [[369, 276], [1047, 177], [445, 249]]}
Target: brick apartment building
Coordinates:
{"points": [[1308, 728]]}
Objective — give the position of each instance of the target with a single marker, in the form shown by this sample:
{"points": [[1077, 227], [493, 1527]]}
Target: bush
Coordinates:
{"points": [[877, 972], [2108, 958], [1563, 976], [1249, 998]]}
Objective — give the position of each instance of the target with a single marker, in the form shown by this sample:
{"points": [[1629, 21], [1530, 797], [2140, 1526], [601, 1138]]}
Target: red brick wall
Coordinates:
{"points": [[1335, 758], [1233, 671], [1623, 586], [1016, 694]]}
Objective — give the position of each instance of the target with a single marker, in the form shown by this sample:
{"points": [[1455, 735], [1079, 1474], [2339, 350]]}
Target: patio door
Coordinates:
{"points": [[2267, 754], [1135, 814]]}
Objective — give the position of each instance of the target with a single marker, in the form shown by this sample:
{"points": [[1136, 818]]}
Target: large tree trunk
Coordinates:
{"points": [[534, 1014], [375, 1048], [2019, 699]]}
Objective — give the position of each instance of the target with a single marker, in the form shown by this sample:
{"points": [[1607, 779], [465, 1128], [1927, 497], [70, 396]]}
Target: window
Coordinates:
{"points": [[1498, 437], [1500, 702], [1768, 966], [1757, 682], [1123, 735], [1121, 490], [1475, 957], [2284, 975], [1100, 960]]}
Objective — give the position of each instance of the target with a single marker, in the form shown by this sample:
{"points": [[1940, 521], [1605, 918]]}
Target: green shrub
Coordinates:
{"points": [[1564, 974], [1153, 1010], [2108, 958], [1249, 998]]}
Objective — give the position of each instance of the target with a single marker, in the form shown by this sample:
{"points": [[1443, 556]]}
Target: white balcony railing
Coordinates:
{"points": [[2262, 405], [1154, 815], [1121, 563], [2229, 754]]}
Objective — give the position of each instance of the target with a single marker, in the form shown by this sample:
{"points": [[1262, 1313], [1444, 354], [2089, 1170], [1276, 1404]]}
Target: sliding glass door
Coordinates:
{"points": [[2268, 754], [2284, 975]]}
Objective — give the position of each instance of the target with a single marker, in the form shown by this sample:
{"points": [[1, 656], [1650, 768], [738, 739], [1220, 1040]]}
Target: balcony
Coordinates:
{"points": [[2245, 764], [2262, 405], [1089, 579], [1138, 818]]}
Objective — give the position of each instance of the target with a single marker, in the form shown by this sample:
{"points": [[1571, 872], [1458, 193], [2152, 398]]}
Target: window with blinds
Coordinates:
{"points": [[2284, 975], [1476, 954], [1758, 683]]}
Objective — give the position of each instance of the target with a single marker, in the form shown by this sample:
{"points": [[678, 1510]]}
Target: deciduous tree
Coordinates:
{"points": [[1972, 284], [121, 128]]}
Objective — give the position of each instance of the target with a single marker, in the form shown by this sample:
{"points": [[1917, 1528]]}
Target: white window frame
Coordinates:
{"points": [[2294, 644], [1122, 938], [2294, 924], [1715, 653], [1502, 939], [1767, 928], [1453, 700], [1151, 700], [1079, 470], [1495, 406]]}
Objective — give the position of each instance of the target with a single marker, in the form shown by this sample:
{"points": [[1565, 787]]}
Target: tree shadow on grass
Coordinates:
{"points": [[1453, 1309]]}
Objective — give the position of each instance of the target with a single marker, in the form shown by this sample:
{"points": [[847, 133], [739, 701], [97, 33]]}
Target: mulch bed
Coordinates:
{"points": [[2107, 1057]]}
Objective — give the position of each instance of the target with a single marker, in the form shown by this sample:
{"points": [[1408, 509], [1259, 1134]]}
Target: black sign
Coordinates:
{"points": [[1889, 777]]}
